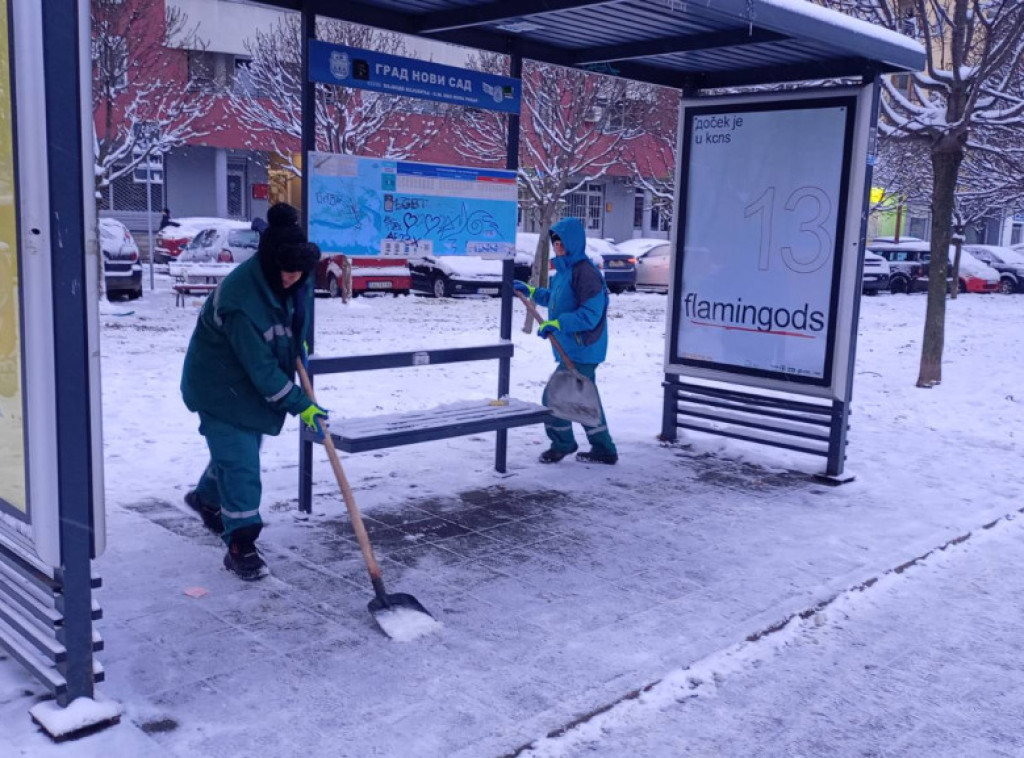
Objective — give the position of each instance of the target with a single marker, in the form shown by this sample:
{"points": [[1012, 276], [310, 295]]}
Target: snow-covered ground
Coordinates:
{"points": [[563, 589]]}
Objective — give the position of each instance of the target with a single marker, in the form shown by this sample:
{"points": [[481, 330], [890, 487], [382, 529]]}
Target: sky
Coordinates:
{"points": [[562, 590]]}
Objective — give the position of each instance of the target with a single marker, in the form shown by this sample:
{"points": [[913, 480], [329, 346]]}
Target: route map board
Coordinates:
{"points": [[367, 207]]}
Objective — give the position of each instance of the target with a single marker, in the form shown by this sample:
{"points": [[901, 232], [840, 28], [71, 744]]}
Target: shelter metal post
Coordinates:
{"points": [[841, 409], [307, 32], [71, 359], [507, 274]]}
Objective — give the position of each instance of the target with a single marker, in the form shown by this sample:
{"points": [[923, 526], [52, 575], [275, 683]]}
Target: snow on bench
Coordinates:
{"points": [[357, 435]]}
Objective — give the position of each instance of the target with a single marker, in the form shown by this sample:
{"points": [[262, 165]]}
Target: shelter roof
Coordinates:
{"points": [[688, 44]]}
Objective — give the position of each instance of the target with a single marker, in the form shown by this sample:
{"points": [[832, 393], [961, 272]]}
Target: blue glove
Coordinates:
{"points": [[314, 417], [523, 288], [548, 327]]}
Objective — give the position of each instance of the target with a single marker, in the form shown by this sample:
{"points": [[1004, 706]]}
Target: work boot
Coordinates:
{"points": [[245, 561], [554, 456], [597, 456], [209, 514]]}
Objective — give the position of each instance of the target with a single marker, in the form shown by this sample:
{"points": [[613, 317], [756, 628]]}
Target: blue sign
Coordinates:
{"points": [[408, 77], [367, 207]]}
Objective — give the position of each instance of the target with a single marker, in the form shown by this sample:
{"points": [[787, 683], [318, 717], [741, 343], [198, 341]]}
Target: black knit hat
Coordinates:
{"points": [[283, 244]]}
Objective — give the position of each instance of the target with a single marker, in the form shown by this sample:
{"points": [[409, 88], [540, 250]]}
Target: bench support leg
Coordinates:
{"points": [[305, 476], [501, 452], [504, 364]]}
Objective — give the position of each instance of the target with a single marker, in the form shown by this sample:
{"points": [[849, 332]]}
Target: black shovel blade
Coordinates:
{"points": [[401, 616]]}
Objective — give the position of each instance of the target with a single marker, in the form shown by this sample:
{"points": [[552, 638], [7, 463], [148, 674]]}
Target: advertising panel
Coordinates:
{"points": [[367, 207], [763, 215], [409, 77], [13, 495]]}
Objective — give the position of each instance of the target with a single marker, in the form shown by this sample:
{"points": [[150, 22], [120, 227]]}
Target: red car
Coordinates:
{"points": [[366, 274]]}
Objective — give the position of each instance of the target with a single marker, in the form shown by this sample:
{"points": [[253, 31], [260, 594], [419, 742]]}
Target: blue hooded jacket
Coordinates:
{"points": [[577, 297]]}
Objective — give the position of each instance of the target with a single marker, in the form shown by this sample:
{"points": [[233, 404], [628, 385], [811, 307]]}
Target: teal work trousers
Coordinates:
{"points": [[560, 432], [232, 477]]}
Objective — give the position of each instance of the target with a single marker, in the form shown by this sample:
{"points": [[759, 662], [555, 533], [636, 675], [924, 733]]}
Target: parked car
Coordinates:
{"points": [[368, 275], [653, 261], [447, 275], [975, 276], [122, 270], [172, 240], [908, 262], [526, 249], [1009, 262], [875, 276], [225, 242], [619, 267]]}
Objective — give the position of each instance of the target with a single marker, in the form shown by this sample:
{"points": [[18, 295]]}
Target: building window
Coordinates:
{"points": [[202, 70], [128, 193], [659, 220], [1017, 234], [587, 204], [638, 209], [110, 56]]}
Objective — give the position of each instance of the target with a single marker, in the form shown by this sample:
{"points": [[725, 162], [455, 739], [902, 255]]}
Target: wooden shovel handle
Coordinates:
{"points": [[554, 341], [346, 491]]}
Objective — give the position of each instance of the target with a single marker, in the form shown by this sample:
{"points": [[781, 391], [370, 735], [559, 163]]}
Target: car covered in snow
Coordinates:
{"points": [[619, 266], [653, 261], [225, 242], [122, 270], [875, 275], [448, 275], [526, 250], [1007, 261], [172, 240], [975, 276]]}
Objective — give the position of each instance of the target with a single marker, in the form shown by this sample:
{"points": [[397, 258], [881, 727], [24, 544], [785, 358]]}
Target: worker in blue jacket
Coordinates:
{"points": [[239, 376], [577, 303]]}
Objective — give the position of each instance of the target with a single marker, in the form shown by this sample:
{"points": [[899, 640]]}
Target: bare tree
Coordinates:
{"points": [[968, 100], [268, 99], [652, 160], [575, 125], [142, 104], [481, 136]]}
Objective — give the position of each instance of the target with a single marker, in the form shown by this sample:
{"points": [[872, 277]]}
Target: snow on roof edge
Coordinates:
{"points": [[816, 13]]}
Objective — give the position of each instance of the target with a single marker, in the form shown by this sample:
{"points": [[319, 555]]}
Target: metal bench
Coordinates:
{"points": [[357, 435]]}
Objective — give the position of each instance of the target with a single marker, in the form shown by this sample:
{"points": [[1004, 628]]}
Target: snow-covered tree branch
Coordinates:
{"points": [[348, 120], [968, 102], [142, 104], [575, 126]]}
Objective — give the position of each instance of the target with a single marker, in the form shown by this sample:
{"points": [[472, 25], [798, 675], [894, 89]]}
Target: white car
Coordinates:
{"points": [[875, 276], [172, 240], [225, 242], [122, 271], [653, 262]]}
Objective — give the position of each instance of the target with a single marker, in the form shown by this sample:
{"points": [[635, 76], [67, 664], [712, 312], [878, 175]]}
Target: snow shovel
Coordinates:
{"points": [[571, 396], [400, 616]]}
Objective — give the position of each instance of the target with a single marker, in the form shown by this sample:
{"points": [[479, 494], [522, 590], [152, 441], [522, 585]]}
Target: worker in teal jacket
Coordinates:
{"points": [[577, 303], [239, 376]]}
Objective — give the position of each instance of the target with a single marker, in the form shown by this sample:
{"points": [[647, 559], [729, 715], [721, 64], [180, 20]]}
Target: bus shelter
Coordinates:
{"points": [[759, 327]]}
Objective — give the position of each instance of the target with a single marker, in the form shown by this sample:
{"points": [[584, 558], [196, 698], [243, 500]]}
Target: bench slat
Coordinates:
{"points": [[343, 364], [453, 420]]}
